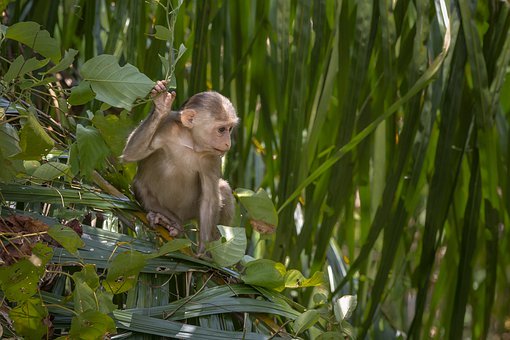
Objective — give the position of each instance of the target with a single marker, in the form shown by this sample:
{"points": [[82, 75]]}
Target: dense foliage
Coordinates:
{"points": [[379, 129]]}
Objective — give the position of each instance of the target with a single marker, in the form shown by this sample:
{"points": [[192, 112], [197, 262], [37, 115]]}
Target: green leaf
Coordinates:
{"points": [[30, 34], [65, 62], [91, 324], [305, 321], [49, 171], [104, 300], [114, 130], [9, 146], [344, 307], [29, 319], [20, 67], [92, 149], [330, 336], [81, 94], [34, 141], [66, 237], [173, 245], [84, 297], [19, 280], [41, 255], [265, 273], [294, 279], [123, 271], [258, 205], [162, 33], [115, 85], [88, 275], [230, 248]]}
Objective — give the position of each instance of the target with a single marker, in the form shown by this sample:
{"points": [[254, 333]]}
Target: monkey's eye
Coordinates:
{"points": [[222, 129]]}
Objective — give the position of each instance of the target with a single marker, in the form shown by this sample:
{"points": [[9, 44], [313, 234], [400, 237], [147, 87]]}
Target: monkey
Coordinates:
{"points": [[179, 162]]}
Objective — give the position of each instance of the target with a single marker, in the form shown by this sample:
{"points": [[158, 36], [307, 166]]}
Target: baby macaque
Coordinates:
{"points": [[179, 162]]}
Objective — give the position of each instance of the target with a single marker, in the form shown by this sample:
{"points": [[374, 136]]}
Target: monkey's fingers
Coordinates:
{"points": [[160, 87]]}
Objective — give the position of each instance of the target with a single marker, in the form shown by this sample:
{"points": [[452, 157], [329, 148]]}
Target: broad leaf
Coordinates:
{"points": [[19, 280], [344, 307], [66, 237], [34, 141], [9, 145], [305, 321], [265, 273], [65, 62], [41, 255], [29, 319], [88, 275], [30, 34], [81, 94], [104, 300], [162, 33], [114, 130], [123, 271], [49, 171], [230, 248], [20, 67], [294, 279], [115, 85], [92, 149], [260, 208], [173, 245], [84, 297], [91, 324]]}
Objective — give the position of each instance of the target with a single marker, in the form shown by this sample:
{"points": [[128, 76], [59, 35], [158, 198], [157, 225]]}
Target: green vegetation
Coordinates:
{"points": [[378, 131]]}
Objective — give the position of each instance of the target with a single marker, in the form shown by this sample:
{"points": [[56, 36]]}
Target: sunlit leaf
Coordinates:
{"points": [[294, 279], [91, 324], [344, 307], [29, 319], [19, 280], [265, 273]]}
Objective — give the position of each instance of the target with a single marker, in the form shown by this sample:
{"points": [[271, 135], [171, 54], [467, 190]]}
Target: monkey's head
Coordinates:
{"points": [[211, 119]]}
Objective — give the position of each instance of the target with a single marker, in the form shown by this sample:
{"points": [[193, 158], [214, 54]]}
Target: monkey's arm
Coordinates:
{"points": [[140, 143]]}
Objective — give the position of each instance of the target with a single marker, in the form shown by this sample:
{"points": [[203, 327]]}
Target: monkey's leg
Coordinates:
{"points": [[227, 207], [174, 227]]}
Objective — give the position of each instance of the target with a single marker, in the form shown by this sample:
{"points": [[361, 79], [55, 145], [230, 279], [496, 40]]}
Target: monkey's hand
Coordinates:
{"points": [[174, 228], [163, 100]]}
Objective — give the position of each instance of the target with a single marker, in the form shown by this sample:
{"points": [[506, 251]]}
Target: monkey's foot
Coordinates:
{"points": [[174, 228]]}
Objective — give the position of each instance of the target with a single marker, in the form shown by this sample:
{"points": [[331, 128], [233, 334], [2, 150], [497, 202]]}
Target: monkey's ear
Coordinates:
{"points": [[187, 117]]}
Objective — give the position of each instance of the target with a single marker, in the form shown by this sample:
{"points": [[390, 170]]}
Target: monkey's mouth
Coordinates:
{"points": [[221, 152]]}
